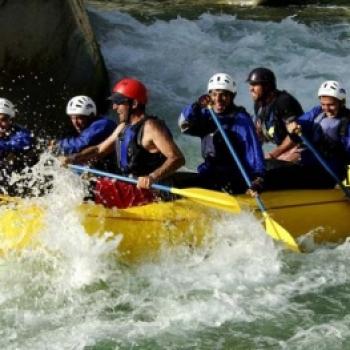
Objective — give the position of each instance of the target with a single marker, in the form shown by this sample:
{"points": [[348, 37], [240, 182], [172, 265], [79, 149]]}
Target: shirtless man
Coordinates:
{"points": [[143, 144]]}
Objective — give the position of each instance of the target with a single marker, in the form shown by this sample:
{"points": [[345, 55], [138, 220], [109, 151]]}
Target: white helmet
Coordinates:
{"points": [[81, 105], [7, 107], [333, 89], [222, 81]]}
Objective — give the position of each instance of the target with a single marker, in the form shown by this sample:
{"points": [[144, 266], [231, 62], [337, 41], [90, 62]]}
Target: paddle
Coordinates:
{"points": [[310, 146], [206, 197], [275, 230]]}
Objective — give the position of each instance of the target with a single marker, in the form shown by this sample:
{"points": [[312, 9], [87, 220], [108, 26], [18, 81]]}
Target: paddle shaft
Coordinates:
{"points": [[206, 197], [310, 146], [235, 157], [118, 177]]}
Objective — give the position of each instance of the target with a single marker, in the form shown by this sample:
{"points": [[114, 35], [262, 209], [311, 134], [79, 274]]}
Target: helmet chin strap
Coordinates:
{"points": [[130, 103]]}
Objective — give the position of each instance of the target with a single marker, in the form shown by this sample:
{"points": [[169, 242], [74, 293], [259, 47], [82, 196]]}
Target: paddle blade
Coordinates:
{"points": [[214, 199], [277, 232]]}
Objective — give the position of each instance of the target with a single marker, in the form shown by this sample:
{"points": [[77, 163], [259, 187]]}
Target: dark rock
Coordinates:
{"points": [[48, 54]]}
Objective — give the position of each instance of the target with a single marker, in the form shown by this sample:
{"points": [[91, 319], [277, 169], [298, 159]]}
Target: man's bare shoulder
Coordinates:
{"points": [[154, 124]]}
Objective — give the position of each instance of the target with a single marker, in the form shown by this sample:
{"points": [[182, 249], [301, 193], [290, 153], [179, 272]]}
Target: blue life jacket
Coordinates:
{"points": [[327, 135], [239, 127], [213, 147], [132, 157]]}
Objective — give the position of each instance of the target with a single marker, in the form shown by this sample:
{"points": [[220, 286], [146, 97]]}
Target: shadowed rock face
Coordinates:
{"points": [[268, 2], [287, 2], [247, 2], [48, 53]]}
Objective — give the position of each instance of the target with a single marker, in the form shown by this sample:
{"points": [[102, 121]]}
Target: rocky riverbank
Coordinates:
{"points": [[48, 53]]}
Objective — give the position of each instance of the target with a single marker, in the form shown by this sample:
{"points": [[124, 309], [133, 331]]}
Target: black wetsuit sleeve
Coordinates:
{"points": [[287, 107]]}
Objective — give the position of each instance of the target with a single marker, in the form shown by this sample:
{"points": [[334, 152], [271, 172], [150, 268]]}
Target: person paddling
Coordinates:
{"points": [[16, 147], [90, 130], [272, 107], [143, 145], [219, 171], [327, 128]]}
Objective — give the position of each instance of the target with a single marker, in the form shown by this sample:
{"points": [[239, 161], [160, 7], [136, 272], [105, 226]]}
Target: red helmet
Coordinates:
{"points": [[129, 88]]}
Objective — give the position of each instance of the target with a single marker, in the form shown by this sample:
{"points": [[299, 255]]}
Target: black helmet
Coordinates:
{"points": [[262, 75]]}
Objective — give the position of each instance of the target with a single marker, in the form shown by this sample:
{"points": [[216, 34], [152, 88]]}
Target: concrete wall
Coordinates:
{"points": [[48, 53]]}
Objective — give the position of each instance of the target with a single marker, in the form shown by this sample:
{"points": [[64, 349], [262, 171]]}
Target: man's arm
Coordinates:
{"points": [[287, 108], [286, 145], [156, 138], [195, 119], [98, 131], [94, 152]]}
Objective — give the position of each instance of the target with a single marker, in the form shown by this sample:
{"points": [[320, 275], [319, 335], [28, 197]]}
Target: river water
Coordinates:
{"points": [[243, 292]]}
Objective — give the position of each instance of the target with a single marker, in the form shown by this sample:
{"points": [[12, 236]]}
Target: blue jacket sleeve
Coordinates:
{"points": [[94, 134], [195, 120], [306, 120], [20, 140], [250, 149]]}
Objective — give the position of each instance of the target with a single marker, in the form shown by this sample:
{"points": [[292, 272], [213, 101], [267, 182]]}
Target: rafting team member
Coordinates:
{"points": [[219, 171], [90, 130], [16, 148], [327, 128], [272, 107], [143, 145]]}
